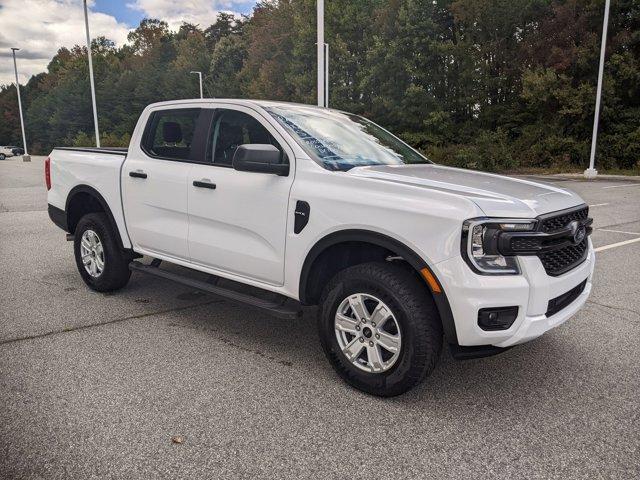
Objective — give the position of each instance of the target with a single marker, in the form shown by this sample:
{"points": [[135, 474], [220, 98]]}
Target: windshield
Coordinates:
{"points": [[341, 141]]}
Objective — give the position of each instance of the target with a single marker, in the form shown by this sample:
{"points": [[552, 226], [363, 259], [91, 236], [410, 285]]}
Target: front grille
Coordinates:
{"points": [[557, 262], [564, 300], [525, 243], [552, 224]]}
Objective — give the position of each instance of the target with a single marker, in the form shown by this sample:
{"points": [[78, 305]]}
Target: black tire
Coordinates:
{"points": [[2, 156], [116, 273], [415, 313]]}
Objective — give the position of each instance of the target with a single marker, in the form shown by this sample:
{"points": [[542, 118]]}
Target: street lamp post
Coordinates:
{"points": [[326, 75], [321, 55], [200, 79], [93, 88], [26, 156], [591, 172]]}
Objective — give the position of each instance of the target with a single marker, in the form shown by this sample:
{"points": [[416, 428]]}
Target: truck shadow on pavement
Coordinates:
{"points": [[532, 371]]}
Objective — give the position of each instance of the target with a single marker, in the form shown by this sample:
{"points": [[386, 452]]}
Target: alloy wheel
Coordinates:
{"points": [[92, 253], [368, 333]]}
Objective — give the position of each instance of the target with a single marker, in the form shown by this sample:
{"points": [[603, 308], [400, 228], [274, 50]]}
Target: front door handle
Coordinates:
{"points": [[138, 174], [204, 184]]}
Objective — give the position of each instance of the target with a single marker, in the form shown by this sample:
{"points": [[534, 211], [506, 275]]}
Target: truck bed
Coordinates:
{"points": [[90, 170]]}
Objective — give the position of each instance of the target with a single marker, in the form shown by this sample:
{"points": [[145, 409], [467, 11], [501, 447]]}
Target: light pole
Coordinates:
{"points": [[321, 55], [26, 156], [200, 79], [326, 75], [93, 88], [591, 172]]}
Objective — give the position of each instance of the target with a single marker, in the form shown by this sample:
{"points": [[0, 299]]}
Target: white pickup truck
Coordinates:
{"points": [[277, 205]]}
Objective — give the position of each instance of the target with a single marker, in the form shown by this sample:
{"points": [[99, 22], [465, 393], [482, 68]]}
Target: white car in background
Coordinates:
{"points": [[6, 151]]}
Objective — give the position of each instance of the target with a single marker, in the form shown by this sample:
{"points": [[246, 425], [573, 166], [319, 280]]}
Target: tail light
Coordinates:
{"points": [[47, 172]]}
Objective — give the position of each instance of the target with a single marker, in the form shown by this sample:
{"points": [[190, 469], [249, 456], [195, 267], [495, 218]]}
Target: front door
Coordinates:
{"points": [[240, 226]]}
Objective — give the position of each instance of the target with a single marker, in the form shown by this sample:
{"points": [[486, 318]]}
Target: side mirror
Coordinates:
{"points": [[259, 157]]}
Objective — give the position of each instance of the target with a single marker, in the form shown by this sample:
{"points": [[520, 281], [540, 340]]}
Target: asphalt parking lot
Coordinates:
{"points": [[95, 385]]}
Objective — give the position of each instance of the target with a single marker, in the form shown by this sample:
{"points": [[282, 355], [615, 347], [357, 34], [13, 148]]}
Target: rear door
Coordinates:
{"points": [[155, 179], [240, 226]]}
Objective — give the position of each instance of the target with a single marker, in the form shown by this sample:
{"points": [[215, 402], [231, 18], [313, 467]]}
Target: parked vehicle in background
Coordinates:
{"points": [[284, 205], [17, 151], [7, 151]]}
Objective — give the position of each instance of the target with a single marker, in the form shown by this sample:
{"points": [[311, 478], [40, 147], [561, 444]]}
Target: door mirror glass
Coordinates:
{"points": [[259, 157]]}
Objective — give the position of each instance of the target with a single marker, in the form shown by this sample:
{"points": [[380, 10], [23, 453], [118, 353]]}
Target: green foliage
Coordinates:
{"points": [[488, 84]]}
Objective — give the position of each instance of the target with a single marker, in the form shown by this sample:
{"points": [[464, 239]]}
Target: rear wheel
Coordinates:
{"points": [[380, 328], [102, 264], [2, 156]]}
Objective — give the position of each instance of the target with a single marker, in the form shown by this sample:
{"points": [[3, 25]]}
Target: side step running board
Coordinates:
{"points": [[287, 309]]}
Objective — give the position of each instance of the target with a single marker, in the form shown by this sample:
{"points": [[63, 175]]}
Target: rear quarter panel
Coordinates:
{"points": [[100, 171]]}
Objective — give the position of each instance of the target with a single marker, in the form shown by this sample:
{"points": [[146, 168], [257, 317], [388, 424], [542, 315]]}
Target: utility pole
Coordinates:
{"points": [[93, 88], [26, 156], [321, 55], [591, 172], [200, 78]]}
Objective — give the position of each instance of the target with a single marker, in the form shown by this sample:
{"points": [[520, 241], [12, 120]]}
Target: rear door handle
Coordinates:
{"points": [[204, 184], [138, 174]]}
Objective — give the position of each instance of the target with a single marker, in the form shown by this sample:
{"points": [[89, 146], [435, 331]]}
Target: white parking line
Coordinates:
{"points": [[618, 231], [598, 205], [614, 245], [622, 186]]}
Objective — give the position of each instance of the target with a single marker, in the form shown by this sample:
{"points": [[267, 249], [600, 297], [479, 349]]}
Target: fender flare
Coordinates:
{"points": [[381, 240], [103, 203]]}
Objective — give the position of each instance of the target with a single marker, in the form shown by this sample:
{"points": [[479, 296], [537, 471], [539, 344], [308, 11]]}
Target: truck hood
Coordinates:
{"points": [[495, 195]]}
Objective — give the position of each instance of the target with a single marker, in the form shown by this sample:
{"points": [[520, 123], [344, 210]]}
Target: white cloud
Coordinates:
{"points": [[40, 27], [198, 12]]}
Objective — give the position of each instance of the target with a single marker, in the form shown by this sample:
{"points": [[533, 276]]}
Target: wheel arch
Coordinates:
{"points": [[83, 199], [308, 291]]}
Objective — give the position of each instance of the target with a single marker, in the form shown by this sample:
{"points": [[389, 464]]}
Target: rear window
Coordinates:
{"points": [[170, 134]]}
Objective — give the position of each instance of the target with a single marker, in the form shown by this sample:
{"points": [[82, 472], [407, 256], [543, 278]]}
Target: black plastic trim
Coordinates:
{"points": [[200, 184], [103, 203], [545, 241], [512, 314], [460, 352], [107, 150], [287, 308], [301, 216], [381, 240], [561, 302], [58, 217]]}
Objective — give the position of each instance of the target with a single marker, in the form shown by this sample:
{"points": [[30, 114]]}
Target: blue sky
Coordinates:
{"points": [[132, 16], [120, 11]]}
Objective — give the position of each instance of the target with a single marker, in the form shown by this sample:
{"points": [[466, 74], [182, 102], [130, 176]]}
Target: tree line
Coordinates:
{"points": [[487, 84]]}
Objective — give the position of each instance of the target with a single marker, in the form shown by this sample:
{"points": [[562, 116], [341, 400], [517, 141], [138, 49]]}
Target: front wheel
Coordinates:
{"points": [[379, 328], [2, 156], [102, 264]]}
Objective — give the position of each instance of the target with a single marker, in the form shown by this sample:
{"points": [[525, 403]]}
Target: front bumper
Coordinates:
{"points": [[530, 291]]}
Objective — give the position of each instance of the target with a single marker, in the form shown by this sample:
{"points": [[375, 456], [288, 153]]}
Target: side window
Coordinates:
{"points": [[232, 129], [170, 133]]}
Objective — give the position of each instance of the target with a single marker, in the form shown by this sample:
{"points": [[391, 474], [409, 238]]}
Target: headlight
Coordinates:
{"points": [[480, 244]]}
